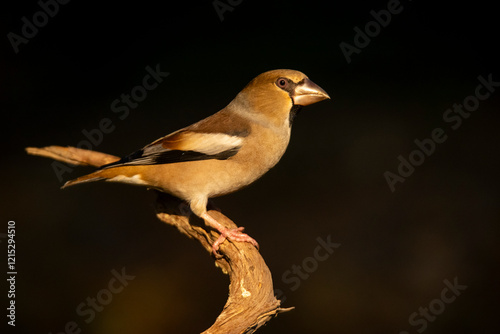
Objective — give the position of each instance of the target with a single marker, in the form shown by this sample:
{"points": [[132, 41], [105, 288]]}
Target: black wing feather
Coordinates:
{"points": [[168, 157]]}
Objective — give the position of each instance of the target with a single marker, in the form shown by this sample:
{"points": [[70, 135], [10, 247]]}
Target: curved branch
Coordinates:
{"points": [[251, 301], [74, 156]]}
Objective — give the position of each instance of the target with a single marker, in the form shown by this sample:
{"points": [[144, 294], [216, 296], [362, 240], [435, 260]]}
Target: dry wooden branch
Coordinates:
{"points": [[251, 301], [73, 155]]}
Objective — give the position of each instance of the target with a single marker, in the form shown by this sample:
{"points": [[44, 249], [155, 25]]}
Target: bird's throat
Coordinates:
{"points": [[293, 112]]}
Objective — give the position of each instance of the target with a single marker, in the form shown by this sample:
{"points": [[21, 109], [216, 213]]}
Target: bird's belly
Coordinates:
{"points": [[211, 178], [202, 178]]}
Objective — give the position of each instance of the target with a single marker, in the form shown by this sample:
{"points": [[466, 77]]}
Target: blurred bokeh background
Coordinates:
{"points": [[396, 247]]}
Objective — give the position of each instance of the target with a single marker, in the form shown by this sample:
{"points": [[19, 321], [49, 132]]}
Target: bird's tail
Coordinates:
{"points": [[83, 179]]}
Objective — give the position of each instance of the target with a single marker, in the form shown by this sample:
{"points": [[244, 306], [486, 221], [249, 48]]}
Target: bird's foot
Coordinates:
{"points": [[234, 234]]}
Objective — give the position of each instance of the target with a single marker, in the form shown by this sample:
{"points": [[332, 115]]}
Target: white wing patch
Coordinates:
{"points": [[213, 143], [206, 143]]}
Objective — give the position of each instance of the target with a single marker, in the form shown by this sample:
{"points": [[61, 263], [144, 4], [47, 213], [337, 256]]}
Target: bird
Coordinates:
{"points": [[222, 153]]}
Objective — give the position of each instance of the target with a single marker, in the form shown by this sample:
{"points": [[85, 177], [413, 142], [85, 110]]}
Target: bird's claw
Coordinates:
{"points": [[234, 234]]}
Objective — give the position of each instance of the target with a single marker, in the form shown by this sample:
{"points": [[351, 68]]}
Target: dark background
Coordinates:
{"points": [[396, 249]]}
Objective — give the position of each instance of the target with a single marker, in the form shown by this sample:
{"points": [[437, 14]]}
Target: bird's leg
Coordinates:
{"points": [[234, 234]]}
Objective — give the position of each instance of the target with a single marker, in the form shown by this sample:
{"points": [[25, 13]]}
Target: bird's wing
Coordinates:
{"points": [[183, 145], [215, 137]]}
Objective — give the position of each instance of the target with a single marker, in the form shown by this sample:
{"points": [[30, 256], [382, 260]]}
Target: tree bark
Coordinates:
{"points": [[251, 302]]}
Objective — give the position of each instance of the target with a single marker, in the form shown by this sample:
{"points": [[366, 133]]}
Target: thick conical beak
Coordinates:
{"points": [[307, 92]]}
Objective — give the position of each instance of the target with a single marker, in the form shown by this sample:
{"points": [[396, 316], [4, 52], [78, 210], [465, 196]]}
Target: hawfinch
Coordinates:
{"points": [[222, 153]]}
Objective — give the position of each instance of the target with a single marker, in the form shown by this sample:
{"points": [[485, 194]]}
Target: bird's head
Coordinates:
{"points": [[279, 94]]}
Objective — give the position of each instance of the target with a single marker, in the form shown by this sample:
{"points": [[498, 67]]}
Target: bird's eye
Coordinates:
{"points": [[281, 82]]}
